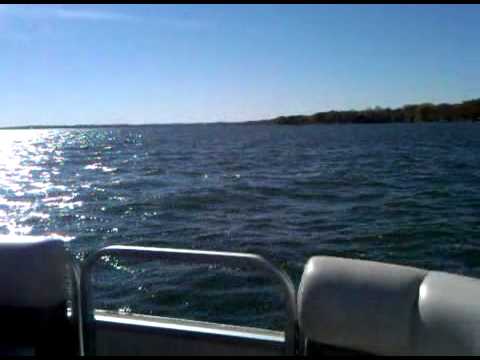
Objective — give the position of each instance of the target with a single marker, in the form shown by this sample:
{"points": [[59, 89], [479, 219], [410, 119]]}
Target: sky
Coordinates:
{"points": [[137, 64]]}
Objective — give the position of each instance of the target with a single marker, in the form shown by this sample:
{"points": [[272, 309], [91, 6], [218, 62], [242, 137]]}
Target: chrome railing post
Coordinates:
{"points": [[77, 302]]}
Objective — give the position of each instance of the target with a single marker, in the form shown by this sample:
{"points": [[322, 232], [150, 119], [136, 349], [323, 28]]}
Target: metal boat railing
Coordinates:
{"points": [[227, 259]]}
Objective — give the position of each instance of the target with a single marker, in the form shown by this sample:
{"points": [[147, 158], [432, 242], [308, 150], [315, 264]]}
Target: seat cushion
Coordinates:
{"points": [[388, 309], [448, 315], [360, 305], [33, 297], [32, 272]]}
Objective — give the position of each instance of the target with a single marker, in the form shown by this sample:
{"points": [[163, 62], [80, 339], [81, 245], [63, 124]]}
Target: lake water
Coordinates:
{"points": [[402, 193]]}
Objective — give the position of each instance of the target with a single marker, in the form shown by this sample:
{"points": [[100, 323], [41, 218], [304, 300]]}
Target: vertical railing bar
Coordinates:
{"points": [[77, 305]]}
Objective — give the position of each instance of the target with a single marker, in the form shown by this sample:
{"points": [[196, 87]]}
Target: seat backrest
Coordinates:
{"points": [[32, 272], [33, 297], [386, 309]]}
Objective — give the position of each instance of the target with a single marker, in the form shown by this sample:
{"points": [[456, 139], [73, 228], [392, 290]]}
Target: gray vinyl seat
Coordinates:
{"points": [[383, 309], [33, 298]]}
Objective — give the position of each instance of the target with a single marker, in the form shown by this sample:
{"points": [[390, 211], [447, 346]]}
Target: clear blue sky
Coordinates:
{"points": [[195, 63]]}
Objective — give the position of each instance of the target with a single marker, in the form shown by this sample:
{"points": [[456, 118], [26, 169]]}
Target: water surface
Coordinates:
{"points": [[402, 193]]}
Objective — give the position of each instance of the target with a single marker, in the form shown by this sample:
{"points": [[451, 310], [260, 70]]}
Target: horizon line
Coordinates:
{"points": [[265, 121]]}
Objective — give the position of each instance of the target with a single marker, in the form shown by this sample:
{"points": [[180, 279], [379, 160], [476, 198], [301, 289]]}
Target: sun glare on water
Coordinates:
{"points": [[28, 160]]}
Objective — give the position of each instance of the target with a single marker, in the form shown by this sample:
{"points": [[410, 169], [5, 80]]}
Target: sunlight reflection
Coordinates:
{"points": [[28, 161]]}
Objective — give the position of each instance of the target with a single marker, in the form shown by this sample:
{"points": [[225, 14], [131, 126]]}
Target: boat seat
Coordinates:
{"points": [[33, 298], [364, 307]]}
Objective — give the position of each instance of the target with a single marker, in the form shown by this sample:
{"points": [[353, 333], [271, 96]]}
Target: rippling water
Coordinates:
{"points": [[403, 193]]}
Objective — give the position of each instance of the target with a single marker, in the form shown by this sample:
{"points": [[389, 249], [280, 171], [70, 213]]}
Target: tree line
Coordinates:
{"points": [[426, 112]]}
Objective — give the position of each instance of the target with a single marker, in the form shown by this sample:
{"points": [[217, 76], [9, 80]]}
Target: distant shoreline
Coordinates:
{"points": [[425, 112], [466, 111]]}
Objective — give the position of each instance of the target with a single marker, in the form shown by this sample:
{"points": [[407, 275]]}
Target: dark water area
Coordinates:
{"points": [[401, 193]]}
